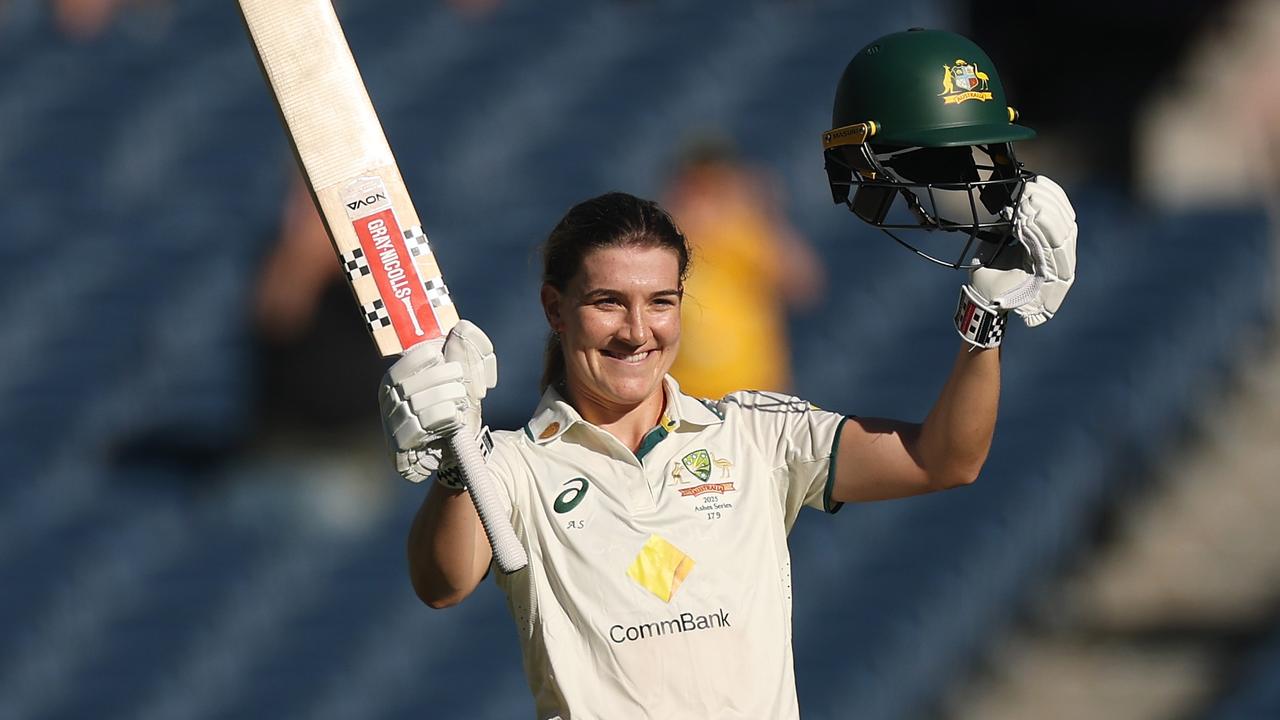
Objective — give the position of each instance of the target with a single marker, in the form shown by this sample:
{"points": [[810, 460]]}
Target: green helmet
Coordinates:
{"points": [[922, 115]]}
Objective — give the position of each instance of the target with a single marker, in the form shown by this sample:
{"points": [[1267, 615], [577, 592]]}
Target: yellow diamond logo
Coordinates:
{"points": [[660, 567]]}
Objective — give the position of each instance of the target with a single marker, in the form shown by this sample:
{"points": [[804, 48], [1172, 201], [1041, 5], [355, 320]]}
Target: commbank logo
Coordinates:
{"points": [[682, 623], [660, 567]]}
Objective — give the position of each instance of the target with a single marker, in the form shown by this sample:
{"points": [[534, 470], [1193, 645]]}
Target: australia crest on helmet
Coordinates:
{"points": [[962, 81]]}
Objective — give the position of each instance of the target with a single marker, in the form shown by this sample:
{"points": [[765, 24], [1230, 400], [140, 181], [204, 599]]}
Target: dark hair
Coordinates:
{"points": [[614, 219]]}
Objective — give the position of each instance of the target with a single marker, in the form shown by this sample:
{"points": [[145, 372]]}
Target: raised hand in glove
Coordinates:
{"points": [[1031, 277], [431, 392]]}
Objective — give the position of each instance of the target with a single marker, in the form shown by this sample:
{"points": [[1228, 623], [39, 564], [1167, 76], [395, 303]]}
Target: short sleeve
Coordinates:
{"points": [[800, 440], [503, 464]]}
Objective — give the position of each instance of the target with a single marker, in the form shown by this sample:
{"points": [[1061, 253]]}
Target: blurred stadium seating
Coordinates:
{"points": [[1256, 693], [144, 172]]}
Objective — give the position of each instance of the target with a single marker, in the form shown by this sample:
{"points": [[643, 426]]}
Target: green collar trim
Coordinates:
{"points": [[655, 436]]}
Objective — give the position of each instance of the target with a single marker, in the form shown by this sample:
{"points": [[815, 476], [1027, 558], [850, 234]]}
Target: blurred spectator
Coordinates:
{"points": [[86, 19], [749, 266], [1208, 134], [296, 271], [1254, 28], [316, 365], [475, 9], [315, 375]]}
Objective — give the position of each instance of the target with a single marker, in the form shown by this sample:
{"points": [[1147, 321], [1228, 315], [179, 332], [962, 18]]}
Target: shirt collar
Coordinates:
{"points": [[688, 410], [555, 415]]}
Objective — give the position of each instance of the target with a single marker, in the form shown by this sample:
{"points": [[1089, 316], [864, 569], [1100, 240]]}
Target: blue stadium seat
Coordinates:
{"points": [[1253, 692]]}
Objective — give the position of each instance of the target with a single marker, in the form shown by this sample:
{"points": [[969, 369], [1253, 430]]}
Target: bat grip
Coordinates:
{"points": [[507, 550]]}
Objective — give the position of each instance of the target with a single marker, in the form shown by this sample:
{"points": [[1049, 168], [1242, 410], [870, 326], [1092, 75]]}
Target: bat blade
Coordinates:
{"points": [[366, 209], [391, 268], [348, 164]]}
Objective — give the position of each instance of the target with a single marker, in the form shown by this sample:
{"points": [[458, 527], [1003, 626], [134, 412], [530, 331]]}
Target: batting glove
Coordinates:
{"points": [[430, 393], [1031, 278]]}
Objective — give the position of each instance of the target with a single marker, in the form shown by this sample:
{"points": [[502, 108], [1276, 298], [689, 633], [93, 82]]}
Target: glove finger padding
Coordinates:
{"points": [[1044, 223], [431, 377], [416, 359], [430, 393], [439, 409], [398, 421], [468, 346], [422, 399], [1031, 277], [428, 416]]}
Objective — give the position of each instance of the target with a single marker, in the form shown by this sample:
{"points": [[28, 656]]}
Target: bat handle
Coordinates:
{"points": [[507, 550]]}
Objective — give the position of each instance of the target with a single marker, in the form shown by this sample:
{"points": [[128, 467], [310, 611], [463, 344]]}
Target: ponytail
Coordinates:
{"points": [[552, 363]]}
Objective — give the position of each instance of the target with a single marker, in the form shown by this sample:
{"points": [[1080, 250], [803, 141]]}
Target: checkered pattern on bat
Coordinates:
{"points": [[376, 315], [355, 263], [437, 293], [416, 241]]}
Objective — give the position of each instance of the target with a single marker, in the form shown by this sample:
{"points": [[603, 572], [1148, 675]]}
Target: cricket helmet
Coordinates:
{"points": [[921, 115]]}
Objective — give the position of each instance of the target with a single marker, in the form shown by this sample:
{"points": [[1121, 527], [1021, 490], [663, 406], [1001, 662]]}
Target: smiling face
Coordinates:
{"points": [[619, 326]]}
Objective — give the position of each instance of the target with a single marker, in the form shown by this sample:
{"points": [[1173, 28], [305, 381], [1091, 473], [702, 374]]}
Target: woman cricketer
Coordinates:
{"points": [[658, 583]]}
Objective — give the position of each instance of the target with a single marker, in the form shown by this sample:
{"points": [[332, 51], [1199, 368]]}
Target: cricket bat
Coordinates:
{"points": [[357, 187]]}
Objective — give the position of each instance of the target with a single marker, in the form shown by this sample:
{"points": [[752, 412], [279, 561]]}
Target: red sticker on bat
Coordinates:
{"points": [[399, 284]]}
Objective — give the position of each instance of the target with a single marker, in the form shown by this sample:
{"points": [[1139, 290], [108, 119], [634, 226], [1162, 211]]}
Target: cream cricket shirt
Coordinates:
{"points": [[659, 582]]}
